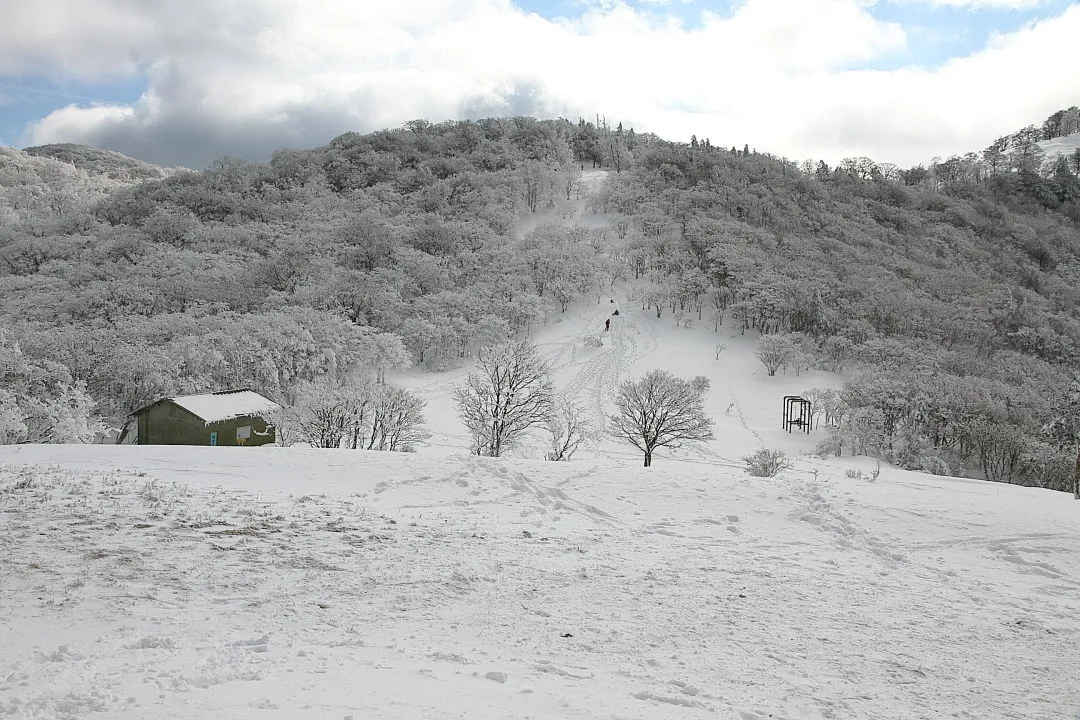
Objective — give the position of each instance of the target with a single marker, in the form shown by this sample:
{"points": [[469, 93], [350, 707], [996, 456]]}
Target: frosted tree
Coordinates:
{"points": [[861, 430], [286, 426], [507, 394], [13, 428], [39, 401], [391, 355], [1064, 429], [661, 410], [774, 351], [331, 415]]}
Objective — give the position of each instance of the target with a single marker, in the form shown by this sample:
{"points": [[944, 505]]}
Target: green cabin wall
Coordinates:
{"points": [[165, 423]]}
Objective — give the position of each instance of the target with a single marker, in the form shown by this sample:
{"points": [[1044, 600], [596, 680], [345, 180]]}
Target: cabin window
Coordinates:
{"points": [[243, 432]]}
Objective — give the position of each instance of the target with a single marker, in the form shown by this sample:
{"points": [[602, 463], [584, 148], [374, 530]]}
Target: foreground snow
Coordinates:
{"points": [[283, 583]]}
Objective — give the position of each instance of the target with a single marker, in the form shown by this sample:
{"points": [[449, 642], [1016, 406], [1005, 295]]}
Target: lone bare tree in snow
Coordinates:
{"points": [[661, 410], [569, 427], [507, 394]]}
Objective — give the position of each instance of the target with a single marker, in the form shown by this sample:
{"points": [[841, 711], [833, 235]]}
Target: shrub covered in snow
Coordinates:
{"points": [[766, 463]]}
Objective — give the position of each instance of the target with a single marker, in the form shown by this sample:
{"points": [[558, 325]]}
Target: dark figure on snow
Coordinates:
{"points": [[607, 324], [615, 313]]}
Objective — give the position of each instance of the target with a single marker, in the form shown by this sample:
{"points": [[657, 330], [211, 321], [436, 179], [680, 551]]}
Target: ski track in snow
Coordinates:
{"points": [[602, 369]]}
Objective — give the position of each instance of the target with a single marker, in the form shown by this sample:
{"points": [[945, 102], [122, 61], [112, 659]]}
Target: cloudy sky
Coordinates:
{"points": [[181, 82]]}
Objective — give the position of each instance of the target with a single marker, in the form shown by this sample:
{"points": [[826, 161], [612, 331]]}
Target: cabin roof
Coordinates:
{"points": [[224, 405]]}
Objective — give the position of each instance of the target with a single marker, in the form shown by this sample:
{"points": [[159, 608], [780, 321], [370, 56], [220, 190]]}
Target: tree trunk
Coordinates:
{"points": [[648, 458], [1076, 478]]}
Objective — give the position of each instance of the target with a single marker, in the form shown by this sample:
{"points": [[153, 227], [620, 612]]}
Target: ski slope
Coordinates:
{"points": [[284, 582]]}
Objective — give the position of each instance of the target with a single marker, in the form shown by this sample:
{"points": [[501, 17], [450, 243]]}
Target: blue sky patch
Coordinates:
{"points": [[687, 12], [938, 33], [24, 100]]}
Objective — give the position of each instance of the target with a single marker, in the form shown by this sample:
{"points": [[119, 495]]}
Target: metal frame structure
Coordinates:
{"points": [[797, 413]]}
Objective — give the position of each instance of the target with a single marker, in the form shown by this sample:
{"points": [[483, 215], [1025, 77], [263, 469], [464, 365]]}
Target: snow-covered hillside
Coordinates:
{"points": [[284, 583], [1066, 145]]}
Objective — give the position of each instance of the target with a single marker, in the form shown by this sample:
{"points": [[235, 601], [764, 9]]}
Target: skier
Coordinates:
{"points": [[607, 324]]}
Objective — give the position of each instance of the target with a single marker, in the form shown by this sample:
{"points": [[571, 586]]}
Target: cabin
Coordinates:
{"points": [[227, 418]]}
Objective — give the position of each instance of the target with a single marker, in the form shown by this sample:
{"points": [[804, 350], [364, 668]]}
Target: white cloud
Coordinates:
{"points": [[247, 76], [978, 4]]}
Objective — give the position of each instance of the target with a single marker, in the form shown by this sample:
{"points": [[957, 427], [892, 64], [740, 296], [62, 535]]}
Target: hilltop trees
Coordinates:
{"points": [[507, 394], [661, 410]]}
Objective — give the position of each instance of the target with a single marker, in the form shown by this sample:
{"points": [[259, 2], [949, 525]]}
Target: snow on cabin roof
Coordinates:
{"points": [[215, 407]]}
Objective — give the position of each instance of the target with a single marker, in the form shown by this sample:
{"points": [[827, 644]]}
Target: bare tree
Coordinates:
{"points": [[509, 393], [397, 420], [321, 418], [328, 414], [532, 181], [569, 427], [661, 410]]}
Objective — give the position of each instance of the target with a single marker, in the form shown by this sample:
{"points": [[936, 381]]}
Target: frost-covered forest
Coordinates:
{"points": [[947, 295]]}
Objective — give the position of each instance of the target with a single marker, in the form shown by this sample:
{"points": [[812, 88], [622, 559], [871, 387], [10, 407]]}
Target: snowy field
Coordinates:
{"points": [[279, 583], [158, 582]]}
